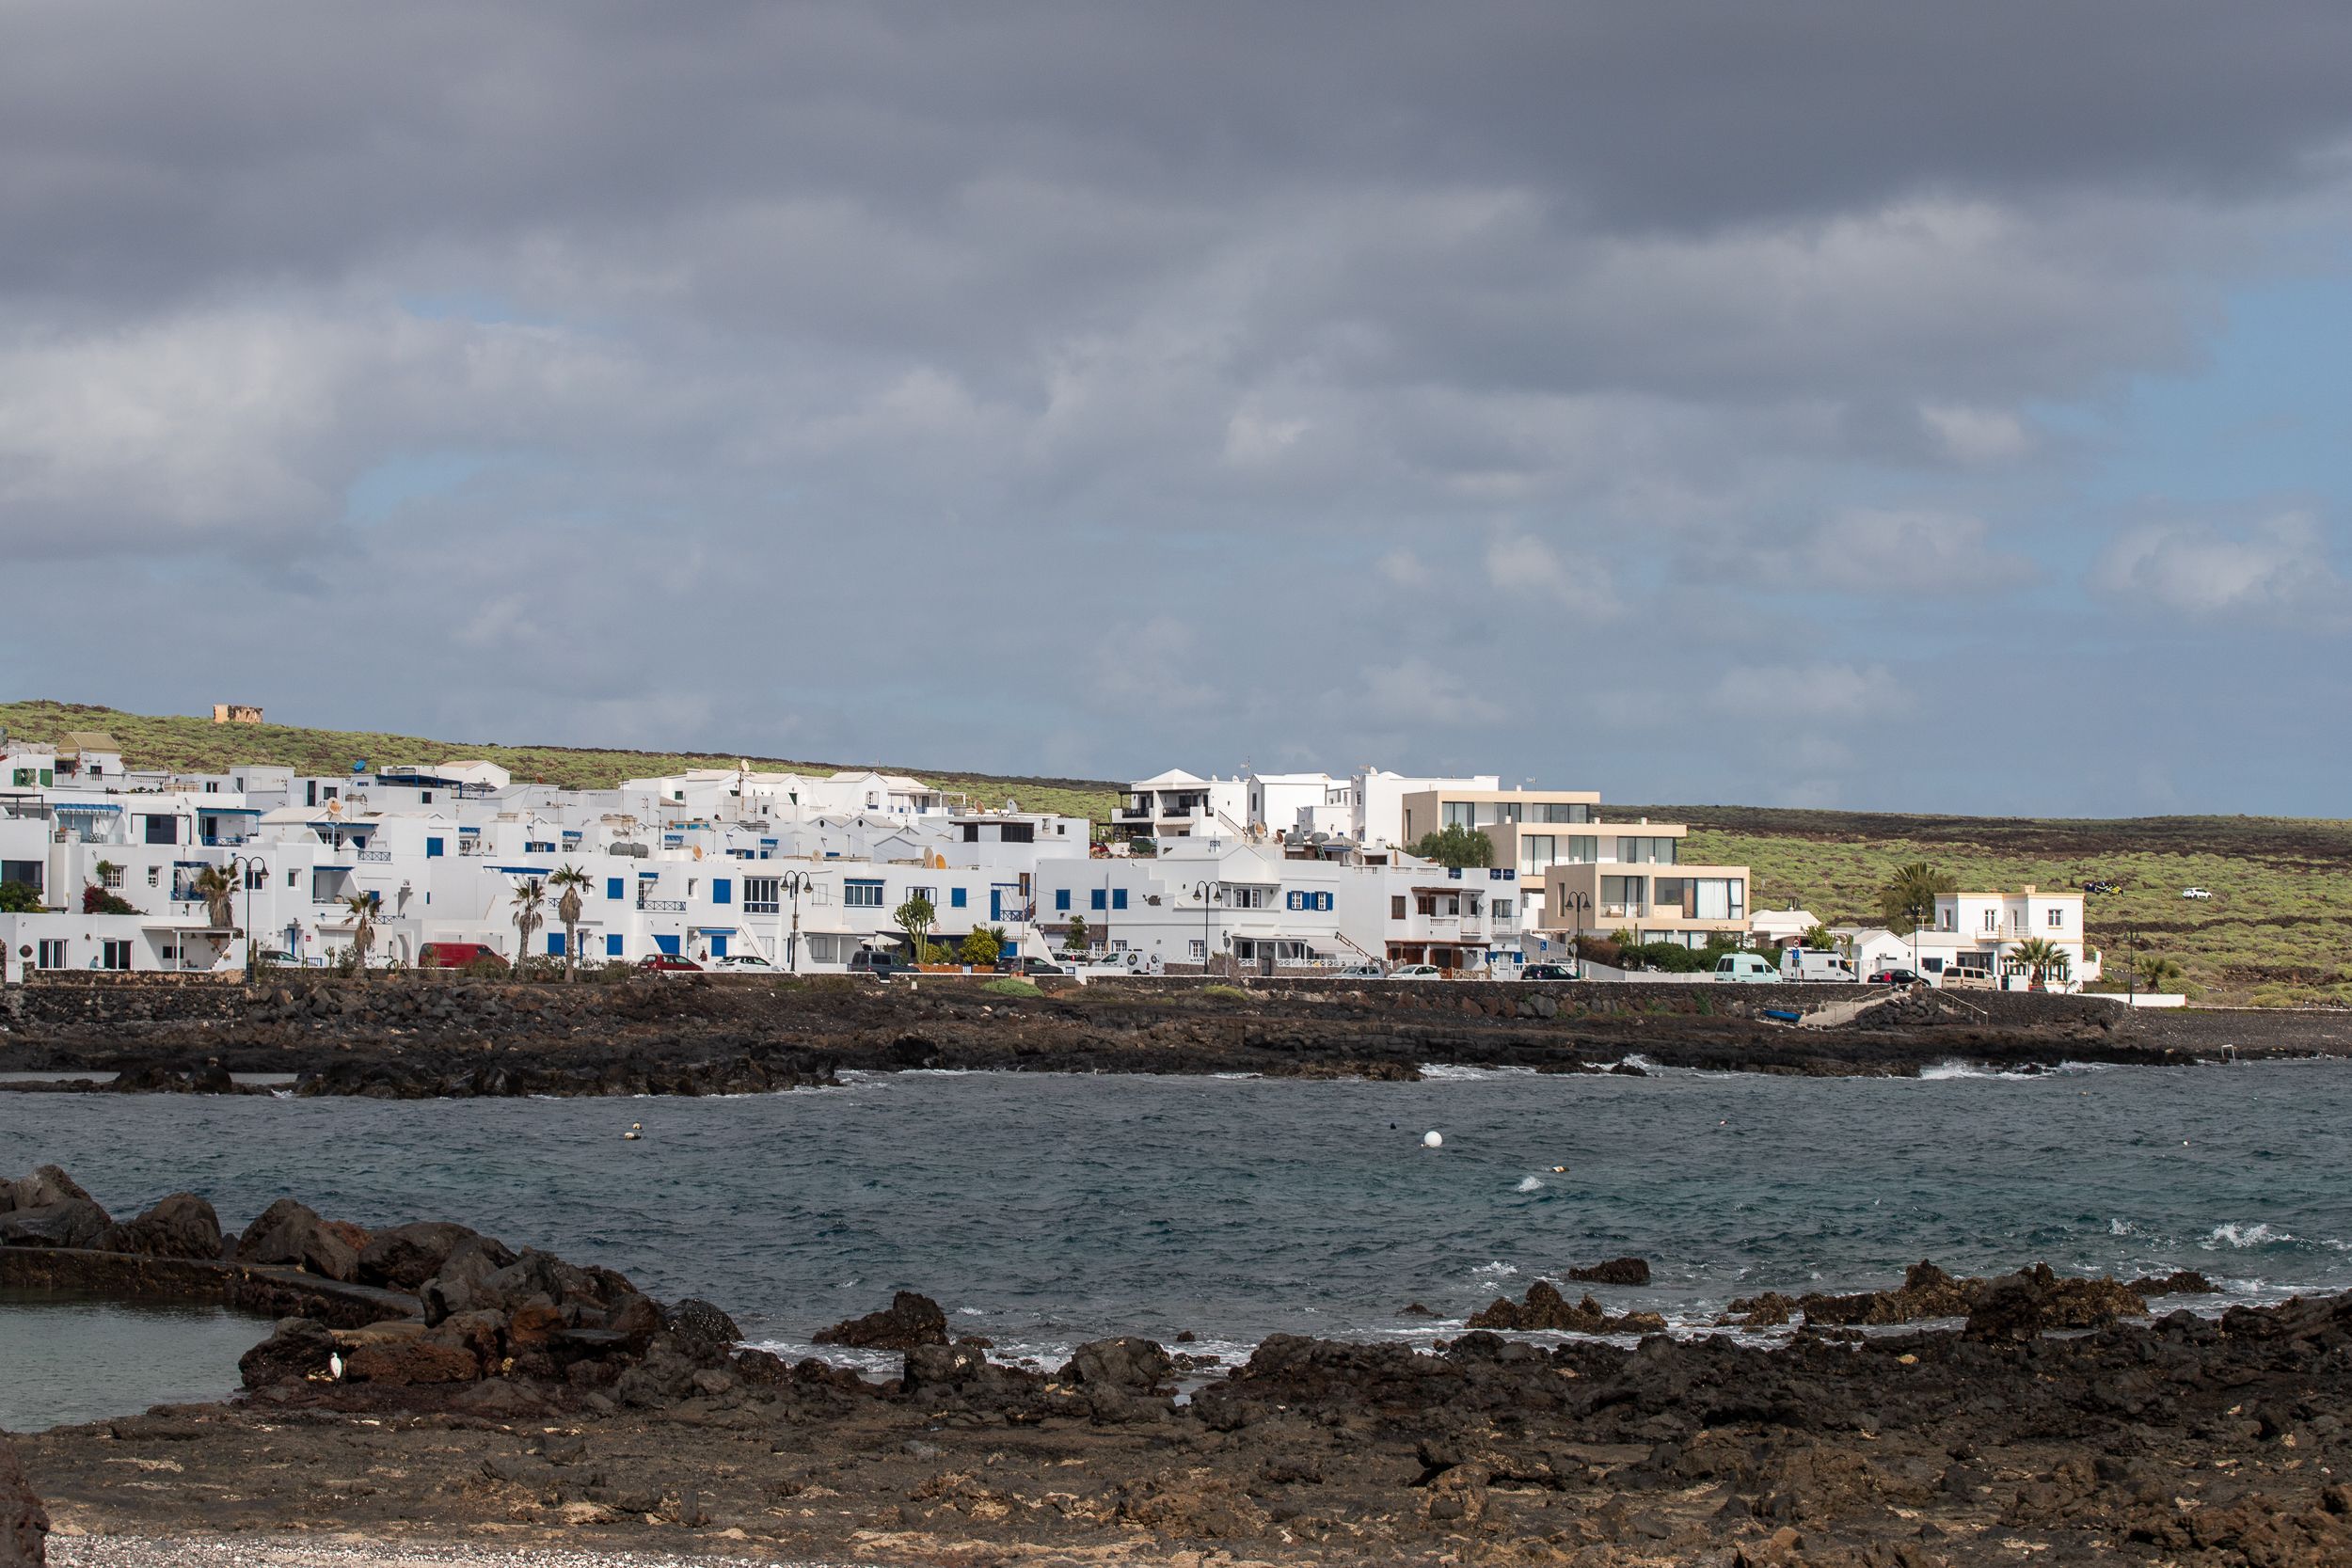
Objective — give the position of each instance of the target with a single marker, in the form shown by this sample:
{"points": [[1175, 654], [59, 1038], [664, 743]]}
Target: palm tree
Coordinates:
{"points": [[2037, 956], [2157, 971], [531, 903], [219, 888], [362, 908], [1909, 901], [572, 879]]}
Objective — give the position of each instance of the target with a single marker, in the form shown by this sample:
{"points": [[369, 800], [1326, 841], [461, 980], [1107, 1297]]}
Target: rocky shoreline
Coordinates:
{"points": [[415, 1038], [444, 1385]]}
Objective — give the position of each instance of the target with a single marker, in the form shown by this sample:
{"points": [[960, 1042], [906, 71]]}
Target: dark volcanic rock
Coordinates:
{"points": [[23, 1523], [1617, 1271], [1129, 1363], [456, 1285], [181, 1225], [701, 1330], [1927, 1291], [73, 1222], [404, 1256], [2180, 1282], [910, 1320], [292, 1232], [300, 1347], [1546, 1308], [47, 1185], [2022, 1304]]}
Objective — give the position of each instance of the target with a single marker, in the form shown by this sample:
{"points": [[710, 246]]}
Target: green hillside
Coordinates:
{"points": [[2276, 931], [174, 740]]}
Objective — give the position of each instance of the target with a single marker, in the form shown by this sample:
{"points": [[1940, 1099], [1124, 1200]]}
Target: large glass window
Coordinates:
{"points": [[1584, 848], [1646, 852], [864, 896], [1458, 814], [1621, 896], [1560, 811], [1538, 850]]}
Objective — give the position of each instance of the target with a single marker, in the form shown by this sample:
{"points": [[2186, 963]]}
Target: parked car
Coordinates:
{"points": [[668, 964], [458, 955], [881, 965], [2195, 893], [737, 962], [1547, 971], [1417, 971], [1042, 966], [1752, 969], [1963, 977], [1363, 972], [1893, 977]]}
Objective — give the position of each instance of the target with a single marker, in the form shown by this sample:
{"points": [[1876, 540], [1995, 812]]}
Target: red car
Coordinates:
{"points": [[668, 964], [458, 955]]}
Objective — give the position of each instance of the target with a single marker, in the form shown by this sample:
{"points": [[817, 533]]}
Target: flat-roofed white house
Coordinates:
{"points": [[1178, 804]]}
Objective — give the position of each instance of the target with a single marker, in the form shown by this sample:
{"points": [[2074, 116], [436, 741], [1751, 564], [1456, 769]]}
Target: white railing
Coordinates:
{"points": [[665, 906], [383, 855]]}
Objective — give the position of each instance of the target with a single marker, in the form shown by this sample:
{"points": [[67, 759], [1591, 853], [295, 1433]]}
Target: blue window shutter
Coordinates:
{"points": [[615, 887], [1119, 898], [667, 945], [955, 897], [432, 848], [722, 890], [1094, 897], [612, 945], [1061, 898]]}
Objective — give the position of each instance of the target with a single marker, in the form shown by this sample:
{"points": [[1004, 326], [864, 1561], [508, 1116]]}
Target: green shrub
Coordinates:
{"points": [[1010, 986], [1225, 993]]}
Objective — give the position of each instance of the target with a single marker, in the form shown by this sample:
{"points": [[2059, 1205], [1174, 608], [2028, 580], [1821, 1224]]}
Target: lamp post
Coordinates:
{"points": [[1576, 901], [795, 883], [2131, 966], [246, 865], [1208, 893]]}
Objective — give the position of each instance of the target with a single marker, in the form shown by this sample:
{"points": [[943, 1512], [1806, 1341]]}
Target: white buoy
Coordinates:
{"points": [[1432, 1140], [636, 1130]]}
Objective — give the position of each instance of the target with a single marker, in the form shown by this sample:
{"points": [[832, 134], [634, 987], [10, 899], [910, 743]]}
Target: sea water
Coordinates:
{"points": [[1045, 1209]]}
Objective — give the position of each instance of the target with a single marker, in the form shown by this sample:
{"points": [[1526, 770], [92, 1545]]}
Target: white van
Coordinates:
{"points": [[1814, 963], [1748, 967]]}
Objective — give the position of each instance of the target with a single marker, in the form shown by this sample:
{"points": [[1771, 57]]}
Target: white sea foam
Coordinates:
{"points": [[2257, 1234], [2122, 1228], [1449, 1073], [1496, 1270], [1529, 1184]]}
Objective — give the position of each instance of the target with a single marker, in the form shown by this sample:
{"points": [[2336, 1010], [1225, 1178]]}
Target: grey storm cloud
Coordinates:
{"points": [[1495, 385]]}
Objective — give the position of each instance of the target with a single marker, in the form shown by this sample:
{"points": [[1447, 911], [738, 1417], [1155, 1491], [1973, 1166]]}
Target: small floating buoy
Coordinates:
{"points": [[636, 1130], [1432, 1140], [1558, 1170]]}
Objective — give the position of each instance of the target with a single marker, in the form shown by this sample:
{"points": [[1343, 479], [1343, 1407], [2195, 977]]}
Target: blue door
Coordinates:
{"points": [[667, 945], [718, 947]]}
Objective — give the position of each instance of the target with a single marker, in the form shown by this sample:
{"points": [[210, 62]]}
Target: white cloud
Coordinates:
{"points": [[1976, 435], [1831, 693], [1870, 550], [1415, 693], [1521, 563], [2281, 563]]}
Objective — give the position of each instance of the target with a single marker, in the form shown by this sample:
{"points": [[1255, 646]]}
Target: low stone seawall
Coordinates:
{"points": [[266, 1289]]}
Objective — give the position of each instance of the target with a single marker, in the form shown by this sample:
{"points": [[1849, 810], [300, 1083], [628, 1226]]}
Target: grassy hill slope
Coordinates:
{"points": [[172, 740], [2278, 929]]}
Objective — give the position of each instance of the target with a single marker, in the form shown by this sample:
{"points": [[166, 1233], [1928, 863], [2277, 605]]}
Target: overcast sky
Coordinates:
{"points": [[1922, 407]]}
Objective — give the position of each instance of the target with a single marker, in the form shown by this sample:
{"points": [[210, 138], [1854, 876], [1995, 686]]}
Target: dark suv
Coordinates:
{"points": [[867, 961]]}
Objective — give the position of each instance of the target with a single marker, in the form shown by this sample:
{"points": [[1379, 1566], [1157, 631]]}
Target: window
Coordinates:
{"points": [[1501, 908], [538, 846], [1425, 903], [1538, 850], [1991, 920], [1294, 901], [956, 896], [23, 778], [1018, 832], [861, 894], [1622, 896], [292, 878], [761, 894], [1646, 852], [110, 874], [1560, 811], [1061, 898], [612, 945], [212, 786], [114, 954], [163, 829], [433, 848], [1119, 898], [154, 876], [1583, 850], [423, 796], [1457, 813], [1097, 899], [1396, 907], [2057, 919], [1196, 950], [616, 887], [52, 953], [722, 890], [555, 944]]}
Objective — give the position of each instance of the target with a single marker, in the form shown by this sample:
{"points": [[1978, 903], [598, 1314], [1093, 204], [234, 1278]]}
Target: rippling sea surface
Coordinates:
{"points": [[1046, 1210]]}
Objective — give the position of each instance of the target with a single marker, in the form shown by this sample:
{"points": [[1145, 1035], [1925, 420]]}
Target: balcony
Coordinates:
{"points": [[383, 855], [222, 841], [1621, 912], [662, 906]]}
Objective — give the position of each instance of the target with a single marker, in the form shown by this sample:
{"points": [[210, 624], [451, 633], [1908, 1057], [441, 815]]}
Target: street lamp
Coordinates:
{"points": [[1207, 893], [795, 883], [246, 865], [1576, 901]]}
